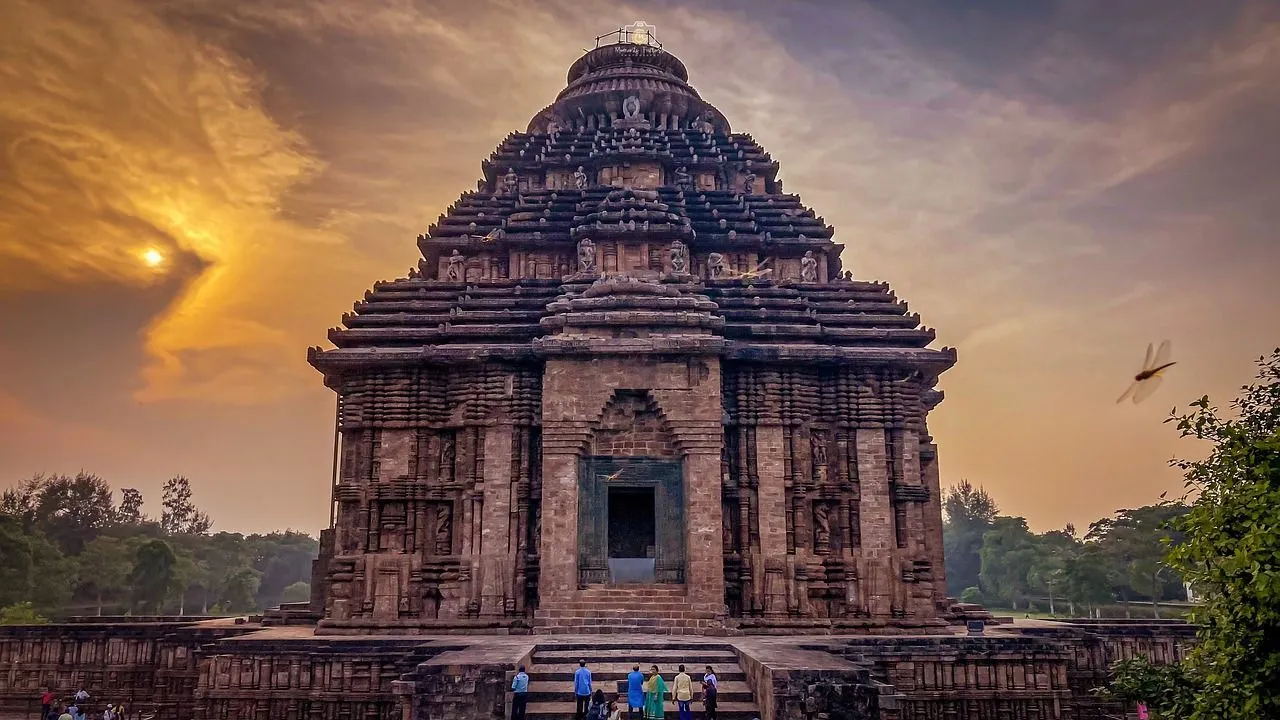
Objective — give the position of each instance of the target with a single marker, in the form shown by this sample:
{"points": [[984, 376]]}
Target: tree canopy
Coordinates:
{"points": [[65, 549]]}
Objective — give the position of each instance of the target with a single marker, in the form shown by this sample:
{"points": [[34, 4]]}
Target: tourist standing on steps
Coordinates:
{"points": [[46, 703], [635, 693], [682, 688], [655, 695], [710, 688], [582, 690], [520, 694]]}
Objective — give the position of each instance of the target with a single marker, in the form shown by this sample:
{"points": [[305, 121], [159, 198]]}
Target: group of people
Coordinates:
{"points": [[74, 708], [646, 698]]}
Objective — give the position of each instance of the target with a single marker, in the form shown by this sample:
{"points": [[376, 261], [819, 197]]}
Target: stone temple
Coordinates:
{"points": [[628, 408], [629, 356]]}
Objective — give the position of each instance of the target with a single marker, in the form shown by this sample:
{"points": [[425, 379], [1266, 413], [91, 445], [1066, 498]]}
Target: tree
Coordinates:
{"points": [[153, 573], [16, 568], [970, 513], [1047, 572], [1008, 552], [130, 510], [238, 595], [103, 567], [70, 511], [21, 614], [180, 514], [1137, 541], [297, 592], [1087, 577], [1230, 551]]}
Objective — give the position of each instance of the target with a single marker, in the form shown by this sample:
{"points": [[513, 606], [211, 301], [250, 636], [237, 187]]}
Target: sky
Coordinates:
{"points": [[1051, 184]]}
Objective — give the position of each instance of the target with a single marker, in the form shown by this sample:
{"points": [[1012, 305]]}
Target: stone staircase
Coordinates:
{"points": [[641, 609], [610, 659]]}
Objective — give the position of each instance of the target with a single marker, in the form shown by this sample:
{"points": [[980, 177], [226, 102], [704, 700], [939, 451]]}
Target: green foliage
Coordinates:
{"points": [[971, 594], [104, 567], [1169, 691], [70, 511], [969, 511], [153, 574], [23, 613], [180, 515], [297, 592], [1231, 551], [1008, 554]]}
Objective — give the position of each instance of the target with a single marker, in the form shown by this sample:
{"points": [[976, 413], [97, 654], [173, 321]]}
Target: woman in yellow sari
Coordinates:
{"points": [[655, 695]]}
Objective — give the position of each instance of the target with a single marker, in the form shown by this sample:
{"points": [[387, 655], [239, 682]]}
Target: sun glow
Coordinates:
{"points": [[152, 257]]}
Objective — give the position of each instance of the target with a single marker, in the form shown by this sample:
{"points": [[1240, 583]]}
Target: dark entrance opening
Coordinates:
{"points": [[632, 527]]}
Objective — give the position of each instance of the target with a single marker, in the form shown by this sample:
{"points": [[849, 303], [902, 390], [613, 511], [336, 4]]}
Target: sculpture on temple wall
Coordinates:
{"points": [[679, 257], [553, 127], [715, 264], [444, 530], [808, 267], [580, 179], [818, 444], [454, 271], [821, 528], [684, 180], [510, 182], [631, 107], [448, 454], [586, 256], [749, 183]]}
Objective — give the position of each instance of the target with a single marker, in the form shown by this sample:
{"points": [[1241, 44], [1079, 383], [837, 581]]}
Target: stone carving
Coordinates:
{"points": [[580, 179], [684, 180], [631, 107], [679, 257], [808, 267], [749, 183], [454, 271], [821, 528], [510, 182], [444, 530], [553, 127], [448, 455], [715, 264], [818, 444], [586, 256]]}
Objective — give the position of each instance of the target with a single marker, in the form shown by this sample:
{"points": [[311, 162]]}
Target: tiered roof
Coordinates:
{"points": [[620, 109]]}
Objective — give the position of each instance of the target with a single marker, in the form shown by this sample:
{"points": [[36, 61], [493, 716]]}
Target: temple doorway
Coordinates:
{"points": [[632, 535], [631, 523]]}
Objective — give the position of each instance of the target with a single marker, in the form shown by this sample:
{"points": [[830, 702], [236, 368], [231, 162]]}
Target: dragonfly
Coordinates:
{"points": [[1146, 382], [488, 237], [615, 476]]}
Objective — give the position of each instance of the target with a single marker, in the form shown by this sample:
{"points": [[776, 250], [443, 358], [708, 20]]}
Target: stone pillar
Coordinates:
{"points": [[771, 580], [933, 519], [497, 555], [876, 509], [562, 444]]}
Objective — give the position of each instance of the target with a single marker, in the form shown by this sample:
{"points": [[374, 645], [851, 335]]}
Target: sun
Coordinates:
{"points": [[152, 257]]}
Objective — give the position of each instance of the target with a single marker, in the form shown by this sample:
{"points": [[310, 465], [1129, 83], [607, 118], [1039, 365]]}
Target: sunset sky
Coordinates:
{"points": [[192, 191]]}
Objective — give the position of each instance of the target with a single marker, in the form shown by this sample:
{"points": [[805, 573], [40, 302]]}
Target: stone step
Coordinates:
{"points": [[544, 691], [724, 710], [638, 612], [577, 629], [704, 655], [639, 604], [726, 669]]}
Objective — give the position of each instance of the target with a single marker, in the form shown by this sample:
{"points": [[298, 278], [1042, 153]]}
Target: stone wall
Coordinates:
{"points": [[829, 492], [149, 666], [791, 682], [466, 684], [286, 675], [437, 502]]}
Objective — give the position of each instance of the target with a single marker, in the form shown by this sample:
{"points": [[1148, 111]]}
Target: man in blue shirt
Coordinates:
{"points": [[520, 694], [582, 690], [635, 693]]}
